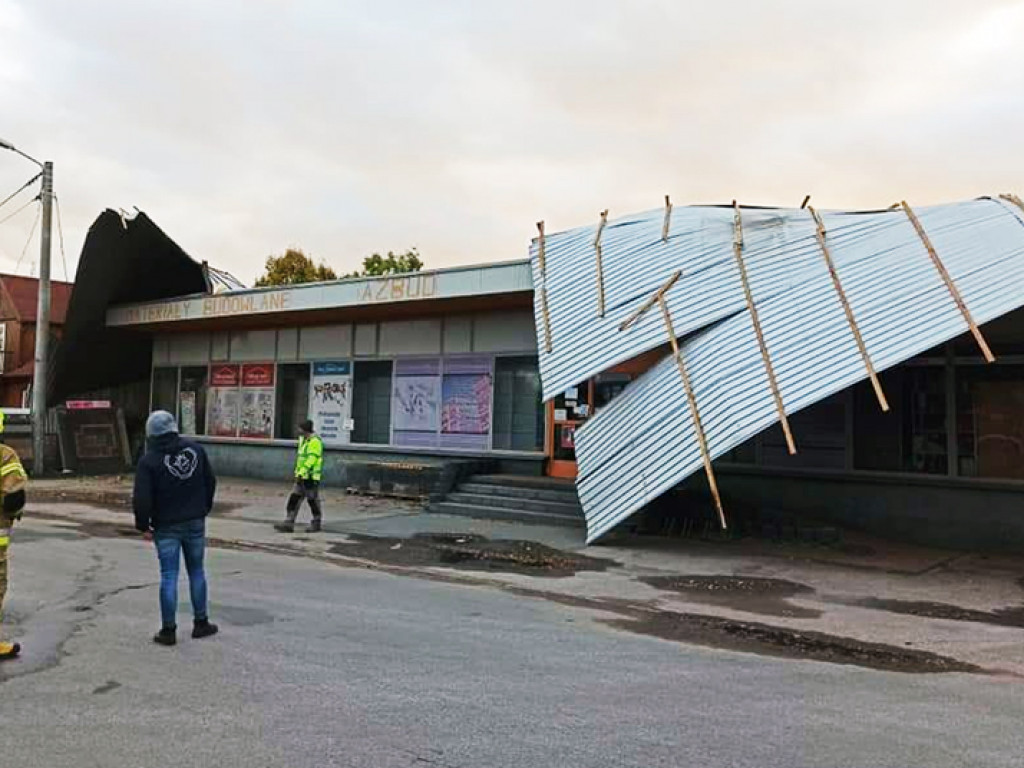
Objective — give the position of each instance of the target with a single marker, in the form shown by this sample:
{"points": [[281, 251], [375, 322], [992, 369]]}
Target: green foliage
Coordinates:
{"points": [[292, 268], [392, 264]]}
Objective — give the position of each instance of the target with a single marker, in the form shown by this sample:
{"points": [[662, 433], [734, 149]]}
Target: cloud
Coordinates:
{"points": [[243, 128]]}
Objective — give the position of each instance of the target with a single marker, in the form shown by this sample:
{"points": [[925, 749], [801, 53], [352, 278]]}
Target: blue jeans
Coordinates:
{"points": [[188, 538]]}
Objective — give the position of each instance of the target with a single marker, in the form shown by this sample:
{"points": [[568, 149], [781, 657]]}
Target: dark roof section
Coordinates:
{"points": [[24, 294], [123, 261]]}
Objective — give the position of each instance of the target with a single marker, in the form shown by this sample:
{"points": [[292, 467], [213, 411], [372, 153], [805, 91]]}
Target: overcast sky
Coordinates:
{"points": [[344, 128]]}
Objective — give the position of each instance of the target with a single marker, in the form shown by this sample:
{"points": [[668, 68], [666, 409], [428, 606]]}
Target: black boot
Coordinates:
{"points": [[318, 517], [166, 636], [286, 527], [203, 628]]}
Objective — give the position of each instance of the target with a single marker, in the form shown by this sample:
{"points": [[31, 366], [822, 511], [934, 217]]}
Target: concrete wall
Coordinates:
{"points": [[490, 332], [345, 468], [932, 511]]}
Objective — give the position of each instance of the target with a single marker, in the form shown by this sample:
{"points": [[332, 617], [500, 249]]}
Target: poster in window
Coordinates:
{"points": [[416, 401], [188, 413], [256, 417], [224, 400], [466, 392], [223, 412], [330, 401]]}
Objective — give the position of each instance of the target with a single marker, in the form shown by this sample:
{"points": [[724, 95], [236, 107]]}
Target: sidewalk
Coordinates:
{"points": [[866, 601]]}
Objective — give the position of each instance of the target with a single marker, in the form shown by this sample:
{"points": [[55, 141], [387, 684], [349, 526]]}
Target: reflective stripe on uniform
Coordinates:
{"points": [[9, 469]]}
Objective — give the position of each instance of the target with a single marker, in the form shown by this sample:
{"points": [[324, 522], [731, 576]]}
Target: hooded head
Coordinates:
{"points": [[161, 427]]}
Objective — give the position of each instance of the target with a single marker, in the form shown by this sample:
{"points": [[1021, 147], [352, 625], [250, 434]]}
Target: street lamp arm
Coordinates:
{"points": [[8, 146]]}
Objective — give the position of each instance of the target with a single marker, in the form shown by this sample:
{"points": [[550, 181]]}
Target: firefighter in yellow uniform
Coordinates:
{"points": [[13, 482]]}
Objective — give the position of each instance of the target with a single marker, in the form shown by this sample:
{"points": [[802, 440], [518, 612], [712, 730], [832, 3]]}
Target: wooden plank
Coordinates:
{"points": [[600, 265], [875, 383], [668, 220], [542, 263], [953, 291], [651, 301], [694, 411], [737, 248], [1013, 199], [547, 317], [541, 258]]}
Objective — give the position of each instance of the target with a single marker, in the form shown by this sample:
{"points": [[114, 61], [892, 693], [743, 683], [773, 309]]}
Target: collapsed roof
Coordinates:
{"points": [[772, 310], [123, 260]]}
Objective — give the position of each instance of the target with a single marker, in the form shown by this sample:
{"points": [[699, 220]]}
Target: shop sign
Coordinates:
{"points": [[87, 405], [258, 375], [401, 288], [224, 376]]}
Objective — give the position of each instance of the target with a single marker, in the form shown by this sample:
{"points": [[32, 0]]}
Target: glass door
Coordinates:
{"points": [[565, 414]]}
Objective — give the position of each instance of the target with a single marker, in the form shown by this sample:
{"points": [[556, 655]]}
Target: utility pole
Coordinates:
{"points": [[41, 373], [42, 367]]}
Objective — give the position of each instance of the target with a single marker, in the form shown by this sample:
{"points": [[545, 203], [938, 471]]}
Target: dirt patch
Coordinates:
{"points": [[715, 632], [767, 597], [108, 500], [470, 552], [1003, 617]]}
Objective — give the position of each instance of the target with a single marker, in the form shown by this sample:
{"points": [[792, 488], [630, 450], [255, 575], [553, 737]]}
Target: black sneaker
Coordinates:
{"points": [[9, 651], [166, 636], [204, 628], [284, 527], [314, 527]]}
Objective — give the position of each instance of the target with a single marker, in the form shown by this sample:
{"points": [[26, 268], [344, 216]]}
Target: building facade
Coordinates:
{"points": [[19, 298], [442, 365]]}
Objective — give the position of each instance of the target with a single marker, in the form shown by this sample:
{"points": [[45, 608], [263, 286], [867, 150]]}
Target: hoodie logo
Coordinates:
{"points": [[182, 465]]}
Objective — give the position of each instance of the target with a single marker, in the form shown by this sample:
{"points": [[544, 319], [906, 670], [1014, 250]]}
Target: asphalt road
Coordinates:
{"points": [[320, 666]]}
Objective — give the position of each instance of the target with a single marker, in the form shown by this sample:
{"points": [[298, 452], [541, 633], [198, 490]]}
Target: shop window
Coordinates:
{"points": [[371, 402], [192, 400], [292, 399], [607, 386], [820, 435], [518, 411], [466, 402], [877, 435], [990, 421], [925, 445], [165, 390], [416, 401]]}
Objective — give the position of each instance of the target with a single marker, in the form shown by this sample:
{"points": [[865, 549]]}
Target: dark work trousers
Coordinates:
{"points": [[308, 490]]}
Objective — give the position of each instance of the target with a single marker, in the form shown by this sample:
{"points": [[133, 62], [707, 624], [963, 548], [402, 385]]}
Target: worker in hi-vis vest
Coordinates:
{"points": [[13, 482], [309, 468]]}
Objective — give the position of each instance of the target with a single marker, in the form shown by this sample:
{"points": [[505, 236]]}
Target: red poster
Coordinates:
{"points": [[224, 376], [258, 375]]}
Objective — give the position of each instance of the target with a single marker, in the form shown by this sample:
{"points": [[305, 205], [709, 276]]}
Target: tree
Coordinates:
{"points": [[392, 264], [294, 267]]}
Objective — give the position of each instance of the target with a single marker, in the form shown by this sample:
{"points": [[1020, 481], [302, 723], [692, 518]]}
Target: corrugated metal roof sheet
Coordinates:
{"points": [[645, 442]]}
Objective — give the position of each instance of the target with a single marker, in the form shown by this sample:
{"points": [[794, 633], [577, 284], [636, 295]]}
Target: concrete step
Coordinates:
{"points": [[520, 492], [526, 481], [464, 496], [502, 513]]}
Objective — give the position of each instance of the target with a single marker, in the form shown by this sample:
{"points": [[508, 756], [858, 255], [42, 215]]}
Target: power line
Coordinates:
{"points": [[26, 205], [20, 189], [60, 231], [31, 232]]}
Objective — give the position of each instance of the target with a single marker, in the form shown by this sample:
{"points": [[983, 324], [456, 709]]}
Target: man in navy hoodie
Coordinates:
{"points": [[174, 489]]}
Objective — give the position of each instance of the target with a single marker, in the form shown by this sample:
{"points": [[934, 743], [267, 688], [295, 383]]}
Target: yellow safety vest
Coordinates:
{"points": [[309, 465]]}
